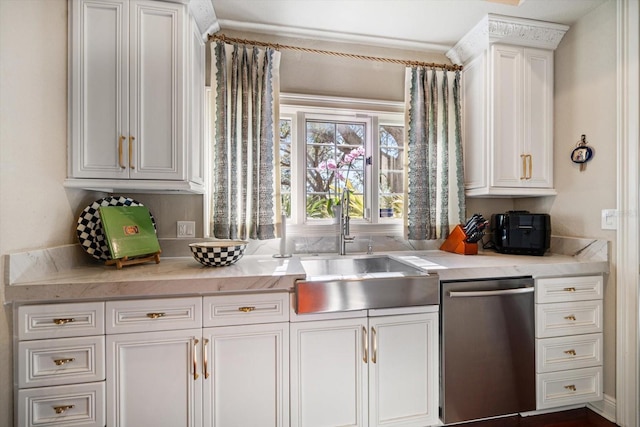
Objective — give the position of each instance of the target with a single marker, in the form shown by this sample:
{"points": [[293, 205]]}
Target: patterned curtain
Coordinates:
{"points": [[435, 187], [245, 85]]}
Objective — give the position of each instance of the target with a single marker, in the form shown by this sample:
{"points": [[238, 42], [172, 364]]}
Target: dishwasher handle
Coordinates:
{"points": [[499, 292]]}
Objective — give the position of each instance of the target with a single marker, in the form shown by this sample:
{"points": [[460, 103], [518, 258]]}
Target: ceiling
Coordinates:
{"points": [[432, 25]]}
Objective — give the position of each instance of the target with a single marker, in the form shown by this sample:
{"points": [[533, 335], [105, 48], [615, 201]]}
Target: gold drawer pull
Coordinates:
{"points": [[131, 164], [63, 408], [60, 362], [122, 138], [205, 360], [570, 317], [570, 352], [195, 359], [246, 309], [570, 387], [570, 289], [155, 315], [524, 166], [64, 321]]}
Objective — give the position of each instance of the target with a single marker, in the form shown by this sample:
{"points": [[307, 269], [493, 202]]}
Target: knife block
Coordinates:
{"points": [[456, 243]]}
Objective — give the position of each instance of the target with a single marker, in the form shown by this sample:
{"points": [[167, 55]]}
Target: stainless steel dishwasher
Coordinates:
{"points": [[487, 348]]}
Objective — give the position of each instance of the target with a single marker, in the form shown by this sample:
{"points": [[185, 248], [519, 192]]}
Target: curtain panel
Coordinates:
{"points": [[245, 90], [435, 181]]}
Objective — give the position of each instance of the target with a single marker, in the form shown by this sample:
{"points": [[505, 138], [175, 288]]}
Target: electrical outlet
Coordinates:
{"points": [[609, 219], [186, 229]]}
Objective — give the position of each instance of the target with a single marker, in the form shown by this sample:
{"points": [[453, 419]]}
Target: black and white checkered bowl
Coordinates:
{"points": [[218, 253]]}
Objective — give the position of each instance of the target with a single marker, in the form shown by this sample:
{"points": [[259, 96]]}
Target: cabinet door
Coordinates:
{"points": [[538, 117], [507, 122], [403, 370], [475, 137], [329, 361], [246, 376], [157, 90], [99, 92], [151, 379]]}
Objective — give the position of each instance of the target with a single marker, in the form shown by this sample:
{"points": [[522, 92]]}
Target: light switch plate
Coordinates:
{"points": [[609, 219], [186, 229]]}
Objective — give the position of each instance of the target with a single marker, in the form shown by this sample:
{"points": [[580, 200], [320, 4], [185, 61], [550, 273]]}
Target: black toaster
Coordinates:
{"points": [[521, 232]]}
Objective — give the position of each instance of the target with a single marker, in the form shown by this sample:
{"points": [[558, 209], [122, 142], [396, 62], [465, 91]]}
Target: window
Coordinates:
{"points": [[330, 147]]}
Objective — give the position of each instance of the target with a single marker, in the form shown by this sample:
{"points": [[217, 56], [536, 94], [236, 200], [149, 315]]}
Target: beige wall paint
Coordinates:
{"points": [[585, 103], [37, 211]]}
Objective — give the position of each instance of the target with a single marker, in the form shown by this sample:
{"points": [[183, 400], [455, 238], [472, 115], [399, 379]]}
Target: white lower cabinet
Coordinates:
{"points": [[365, 371], [60, 365], [152, 379], [568, 341], [222, 376], [246, 375]]}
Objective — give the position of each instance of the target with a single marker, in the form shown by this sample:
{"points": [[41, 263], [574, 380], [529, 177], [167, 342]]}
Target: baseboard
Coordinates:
{"points": [[605, 408]]}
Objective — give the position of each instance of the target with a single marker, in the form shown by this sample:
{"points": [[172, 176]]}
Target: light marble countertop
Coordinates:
{"points": [[38, 277]]}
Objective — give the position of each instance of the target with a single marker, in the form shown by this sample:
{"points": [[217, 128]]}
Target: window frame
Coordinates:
{"points": [[298, 108]]}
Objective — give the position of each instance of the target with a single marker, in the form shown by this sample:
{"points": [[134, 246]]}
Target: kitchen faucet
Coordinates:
{"points": [[344, 223]]}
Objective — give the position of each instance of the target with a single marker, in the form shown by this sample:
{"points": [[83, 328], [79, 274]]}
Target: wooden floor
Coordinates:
{"points": [[582, 417]]}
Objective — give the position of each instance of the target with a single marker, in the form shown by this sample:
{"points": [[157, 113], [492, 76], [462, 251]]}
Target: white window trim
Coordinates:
{"points": [[298, 108]]}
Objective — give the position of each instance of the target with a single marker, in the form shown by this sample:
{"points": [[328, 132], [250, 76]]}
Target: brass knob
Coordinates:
{"points": [[570, 387], [570, 289], [570, 352], [63, 321], [570, 317], [246, 309]]}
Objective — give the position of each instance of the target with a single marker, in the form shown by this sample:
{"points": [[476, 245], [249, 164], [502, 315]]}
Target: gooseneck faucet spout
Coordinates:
{"points": [[344, 223]]}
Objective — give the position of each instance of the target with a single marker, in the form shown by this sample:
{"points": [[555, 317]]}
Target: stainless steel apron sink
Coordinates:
{"points": [[363, 282]]}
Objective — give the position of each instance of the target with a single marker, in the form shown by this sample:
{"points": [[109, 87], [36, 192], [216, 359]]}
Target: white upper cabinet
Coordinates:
{"points": [[136, 96], [507, 91]]}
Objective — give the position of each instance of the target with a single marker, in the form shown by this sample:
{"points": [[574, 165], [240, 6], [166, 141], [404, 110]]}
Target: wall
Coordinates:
{"points": [[585, 103], [37, 211]]}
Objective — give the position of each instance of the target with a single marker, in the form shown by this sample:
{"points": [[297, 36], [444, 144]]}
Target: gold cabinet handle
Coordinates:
{"points": [[571, 352], [195, 359], [374, 345], [205, 360], [570, 317], [365, 345], [131, 139], [570, 387], [246, 309], [530, 166], [524, 166], [120, 141], [62, 408], [155, 315], [64, 321], [60, 362], [569, 289]]}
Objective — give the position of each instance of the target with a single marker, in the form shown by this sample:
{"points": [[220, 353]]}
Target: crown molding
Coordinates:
{"points": [[505, 29], [205, 17], [331, 36]]}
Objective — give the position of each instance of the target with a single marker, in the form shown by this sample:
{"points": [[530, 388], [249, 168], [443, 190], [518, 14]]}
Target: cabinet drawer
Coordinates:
{"points": [[572, 352], [67, 405], [153, 315], [246, 309], [61, 361], [565, 289], [568, 318], [60, 320], [569, 387]]}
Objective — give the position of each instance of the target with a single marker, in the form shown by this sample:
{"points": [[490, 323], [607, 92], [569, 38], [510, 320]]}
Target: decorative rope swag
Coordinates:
{"points": [[245, 121], [435, 185]]}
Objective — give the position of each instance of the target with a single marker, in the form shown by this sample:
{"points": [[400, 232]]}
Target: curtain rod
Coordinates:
{"points": [[276, 46]]}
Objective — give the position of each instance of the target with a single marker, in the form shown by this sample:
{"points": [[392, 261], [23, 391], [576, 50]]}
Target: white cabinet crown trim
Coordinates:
{"points": [[504, 29]]}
